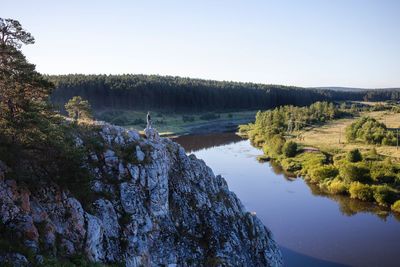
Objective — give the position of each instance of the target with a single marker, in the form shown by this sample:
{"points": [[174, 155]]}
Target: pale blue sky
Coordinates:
{"points": [[305, 43]]}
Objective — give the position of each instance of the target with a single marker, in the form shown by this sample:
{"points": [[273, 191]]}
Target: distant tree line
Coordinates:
{"points": [[382, 95], [183, 94]]}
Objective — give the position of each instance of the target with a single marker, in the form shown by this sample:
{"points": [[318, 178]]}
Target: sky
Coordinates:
{"points": [[354, 43]]}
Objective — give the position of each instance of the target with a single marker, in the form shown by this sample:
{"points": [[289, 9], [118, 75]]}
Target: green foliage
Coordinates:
{"points": [[384, 195], [274, 145], [78, 108], [289, 149], [141, 92], [323, 172], [39, 144], [310, 161], [368, 130], [396, 206], [354, 172], [361, 191], [354, 155], [384, 171], [337, 186], [284, 118]]}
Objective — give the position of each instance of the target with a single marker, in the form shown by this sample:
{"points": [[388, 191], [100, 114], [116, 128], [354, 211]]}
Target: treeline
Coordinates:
{"points": [[184, 94], [284, 119], [382, 95]]}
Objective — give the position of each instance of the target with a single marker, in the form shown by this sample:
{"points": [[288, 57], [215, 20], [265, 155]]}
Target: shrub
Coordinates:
{"points": [[369, 130], [354, 155], [336, 186], [289, 149], [323, 172], [383, 172], [361, 191], [384, 194], [396, 206], [353, 172], [311, 161], [275, 145], [244, 128]]}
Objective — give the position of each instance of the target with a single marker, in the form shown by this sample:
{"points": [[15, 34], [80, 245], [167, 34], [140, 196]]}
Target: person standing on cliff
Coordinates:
{"points": [[148, 119]]}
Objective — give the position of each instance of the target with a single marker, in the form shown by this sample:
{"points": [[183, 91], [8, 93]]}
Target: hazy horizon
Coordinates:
{"points": [[309, 44]]}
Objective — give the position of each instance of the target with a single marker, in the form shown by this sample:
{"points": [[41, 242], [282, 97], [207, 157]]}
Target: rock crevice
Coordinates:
{"points": [[158, 206]]}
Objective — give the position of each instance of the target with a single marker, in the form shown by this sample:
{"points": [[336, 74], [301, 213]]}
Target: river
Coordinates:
{"points": [[313, 229]]}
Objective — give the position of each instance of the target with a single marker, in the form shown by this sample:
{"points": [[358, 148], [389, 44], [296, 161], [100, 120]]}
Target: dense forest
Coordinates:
{"points": [[183, 94]]}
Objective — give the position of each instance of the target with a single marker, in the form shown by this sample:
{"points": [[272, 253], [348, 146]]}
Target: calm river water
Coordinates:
{"points": [[312, 229]]}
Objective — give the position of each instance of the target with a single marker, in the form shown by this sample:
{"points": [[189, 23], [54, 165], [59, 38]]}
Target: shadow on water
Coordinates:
{"points": [[349, 206], [192, 143], [313, 228], [294, 259]]}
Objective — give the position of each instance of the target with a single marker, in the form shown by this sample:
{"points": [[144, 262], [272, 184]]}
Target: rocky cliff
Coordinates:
{"points": [[155, 206]]}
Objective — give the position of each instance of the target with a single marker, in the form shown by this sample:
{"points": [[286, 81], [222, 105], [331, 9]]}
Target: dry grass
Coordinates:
{"points": [[331, 137]]}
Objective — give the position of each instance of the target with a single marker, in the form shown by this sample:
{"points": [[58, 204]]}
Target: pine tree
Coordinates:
{"points": [[78, 108]]}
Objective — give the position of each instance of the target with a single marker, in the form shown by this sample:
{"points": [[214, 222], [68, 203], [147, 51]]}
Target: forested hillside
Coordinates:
{"points": [[185, 94]]}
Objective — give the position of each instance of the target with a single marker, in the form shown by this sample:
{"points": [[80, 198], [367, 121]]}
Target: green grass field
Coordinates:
{"points": [[331, 136]]}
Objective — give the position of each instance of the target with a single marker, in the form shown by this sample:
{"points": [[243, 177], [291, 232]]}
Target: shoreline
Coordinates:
{"points": [[217, 126]]}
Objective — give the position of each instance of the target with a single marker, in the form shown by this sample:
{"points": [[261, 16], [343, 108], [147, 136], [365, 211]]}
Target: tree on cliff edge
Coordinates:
{"points": [[78, 108], [22, 88], [34, 140]]}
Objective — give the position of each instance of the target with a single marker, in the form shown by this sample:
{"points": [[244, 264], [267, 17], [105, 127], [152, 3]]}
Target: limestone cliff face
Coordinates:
{"points": [[156, 206]]}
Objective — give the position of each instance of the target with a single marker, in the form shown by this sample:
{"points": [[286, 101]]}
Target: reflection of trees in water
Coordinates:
{"points": [[193, 143], [277, 169], [349, 206]]}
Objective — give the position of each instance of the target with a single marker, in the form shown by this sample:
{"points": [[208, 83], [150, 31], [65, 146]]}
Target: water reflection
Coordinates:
{"points": [[350, 207], [312, 229], [193, 143]]}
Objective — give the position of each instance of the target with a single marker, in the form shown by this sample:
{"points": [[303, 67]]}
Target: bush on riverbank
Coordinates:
{"points": [[361, 191], [363, 176], [355, 172], [337, 186], [396, 206], [289, 149], [323, 172], [384, 195]]}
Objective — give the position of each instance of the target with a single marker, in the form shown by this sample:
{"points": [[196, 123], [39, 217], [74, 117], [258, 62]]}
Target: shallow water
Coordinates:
{"points": [[313, 229]]}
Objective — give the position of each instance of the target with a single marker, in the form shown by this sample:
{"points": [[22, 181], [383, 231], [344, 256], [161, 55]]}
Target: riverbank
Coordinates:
{"points": [[322, 156], [173, 124], [311, 227]]}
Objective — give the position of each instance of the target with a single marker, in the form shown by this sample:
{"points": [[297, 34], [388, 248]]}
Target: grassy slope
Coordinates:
{"points": [[168, 123], [327, 136]]}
